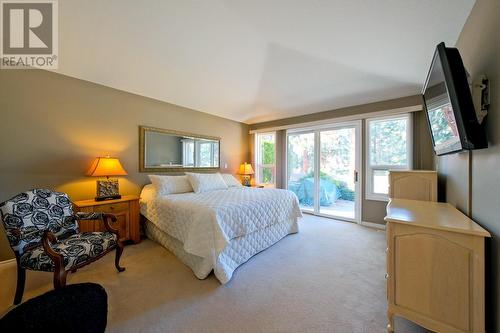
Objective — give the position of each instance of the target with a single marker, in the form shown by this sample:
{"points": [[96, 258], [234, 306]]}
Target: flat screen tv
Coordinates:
{"points": [[448, 102]]}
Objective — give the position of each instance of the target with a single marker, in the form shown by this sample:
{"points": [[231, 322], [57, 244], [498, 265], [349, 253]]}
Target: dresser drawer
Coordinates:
{"points": [[387, 258], [389, 264]]}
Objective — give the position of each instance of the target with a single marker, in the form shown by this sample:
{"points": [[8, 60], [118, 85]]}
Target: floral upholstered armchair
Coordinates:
{"points": [[43, 232]]}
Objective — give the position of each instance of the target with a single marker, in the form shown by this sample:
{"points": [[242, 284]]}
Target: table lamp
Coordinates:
{"points": [[106, 167], [246, 171]]}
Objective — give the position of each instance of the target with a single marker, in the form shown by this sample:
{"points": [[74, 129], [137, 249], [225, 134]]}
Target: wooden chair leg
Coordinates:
{"points": [[119, 251], [21, 279], [60, 278]]}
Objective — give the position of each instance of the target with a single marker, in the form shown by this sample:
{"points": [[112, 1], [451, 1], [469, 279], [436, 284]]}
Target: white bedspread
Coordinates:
{"points": [[206, 222]]}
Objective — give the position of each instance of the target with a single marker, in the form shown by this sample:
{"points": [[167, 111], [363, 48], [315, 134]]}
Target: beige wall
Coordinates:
{"points": [[423, 156], [476, 189], [53, 126]]}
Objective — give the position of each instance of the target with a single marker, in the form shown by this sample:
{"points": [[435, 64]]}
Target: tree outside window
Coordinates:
{"points": [[265, 158], [389, 145]]}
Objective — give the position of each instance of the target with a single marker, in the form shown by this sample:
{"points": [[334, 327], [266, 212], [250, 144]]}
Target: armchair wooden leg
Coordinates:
{"points": [[119, 251], [21, 279], [60, 278]]}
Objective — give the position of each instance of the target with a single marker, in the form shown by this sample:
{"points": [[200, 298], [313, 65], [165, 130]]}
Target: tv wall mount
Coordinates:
{"points": [[481, 96]]}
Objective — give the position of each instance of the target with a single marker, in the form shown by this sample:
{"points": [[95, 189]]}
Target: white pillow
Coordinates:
{"points": [[204, 182], [170, 184], [230, 180]]}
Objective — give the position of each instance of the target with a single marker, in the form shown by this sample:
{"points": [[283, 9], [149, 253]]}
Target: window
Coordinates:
{"points": [[200, 153], [207, 153], [265, 158], [388, 147]]}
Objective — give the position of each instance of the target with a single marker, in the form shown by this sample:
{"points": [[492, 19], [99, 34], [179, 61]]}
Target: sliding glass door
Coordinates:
{"points": [[338, 172], [323, 167], [300, 168]]}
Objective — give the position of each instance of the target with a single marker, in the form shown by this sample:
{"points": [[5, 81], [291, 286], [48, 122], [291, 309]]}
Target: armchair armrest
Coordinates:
{"points": [[104, 217], [47, 239], [88, 216], [58, 259]]}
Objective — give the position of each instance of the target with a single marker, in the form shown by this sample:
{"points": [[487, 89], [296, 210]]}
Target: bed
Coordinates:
{"points": [[219, 230]]}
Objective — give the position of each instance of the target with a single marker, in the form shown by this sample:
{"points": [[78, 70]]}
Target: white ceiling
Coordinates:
{"points": [[254, 61]]}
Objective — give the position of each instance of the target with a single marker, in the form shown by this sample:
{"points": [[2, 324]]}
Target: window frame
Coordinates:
{"points": [[257, 159], [369, 194], [185, 156]]}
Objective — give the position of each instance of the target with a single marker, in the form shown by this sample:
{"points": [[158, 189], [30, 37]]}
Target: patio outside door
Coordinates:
{"points": [[323, 170]]}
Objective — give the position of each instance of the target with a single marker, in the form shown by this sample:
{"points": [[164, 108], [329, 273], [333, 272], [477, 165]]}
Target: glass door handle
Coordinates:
{"points": [[355, 176]]}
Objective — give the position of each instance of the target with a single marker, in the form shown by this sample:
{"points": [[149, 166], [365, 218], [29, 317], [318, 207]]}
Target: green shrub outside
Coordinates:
{"points": [[344, 192]]}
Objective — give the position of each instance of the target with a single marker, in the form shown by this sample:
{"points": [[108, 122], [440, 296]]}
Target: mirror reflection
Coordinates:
{"points": [[163, 149]]}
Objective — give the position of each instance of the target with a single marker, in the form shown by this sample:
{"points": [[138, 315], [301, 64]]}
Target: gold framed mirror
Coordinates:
{"points": [[162, 150]]}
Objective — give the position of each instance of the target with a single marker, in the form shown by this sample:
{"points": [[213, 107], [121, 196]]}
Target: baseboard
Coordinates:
{"points": [[373, 225], [8, 280], [8, 262]]}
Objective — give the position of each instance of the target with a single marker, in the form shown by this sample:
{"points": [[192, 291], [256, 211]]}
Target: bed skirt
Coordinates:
{"points": [[239, 250]]}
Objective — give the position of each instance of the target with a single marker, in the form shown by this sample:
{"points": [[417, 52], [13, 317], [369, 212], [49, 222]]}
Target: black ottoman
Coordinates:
{"points": [[74, 308]]}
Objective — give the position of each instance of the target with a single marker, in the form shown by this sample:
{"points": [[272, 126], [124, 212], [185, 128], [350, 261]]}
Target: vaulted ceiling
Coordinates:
{"points": [[258, 60]]}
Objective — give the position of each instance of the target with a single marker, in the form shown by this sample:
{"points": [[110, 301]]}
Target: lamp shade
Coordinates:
{"points": [[106, 166], [246, 169]]}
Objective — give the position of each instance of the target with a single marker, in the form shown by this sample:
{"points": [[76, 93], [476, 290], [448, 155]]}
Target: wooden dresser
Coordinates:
{"points": [[127, 214], [413, 184], [435, 266]]}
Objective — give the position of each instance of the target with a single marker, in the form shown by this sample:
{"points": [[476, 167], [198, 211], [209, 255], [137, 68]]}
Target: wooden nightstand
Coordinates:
{"points": [[126, 210]]}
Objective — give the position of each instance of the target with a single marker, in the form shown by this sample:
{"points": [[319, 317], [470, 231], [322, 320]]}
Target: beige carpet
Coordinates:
{"points": [[327, 278]]}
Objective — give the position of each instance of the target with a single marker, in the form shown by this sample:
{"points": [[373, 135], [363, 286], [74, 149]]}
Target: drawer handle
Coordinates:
{"points": [[111, 207]]}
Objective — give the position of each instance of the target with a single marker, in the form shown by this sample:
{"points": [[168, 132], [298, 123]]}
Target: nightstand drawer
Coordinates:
{"points": [[113, 208]]}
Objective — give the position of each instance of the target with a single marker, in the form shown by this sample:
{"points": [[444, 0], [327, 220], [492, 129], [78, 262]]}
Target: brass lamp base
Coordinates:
{"points": [[107, 190]]}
